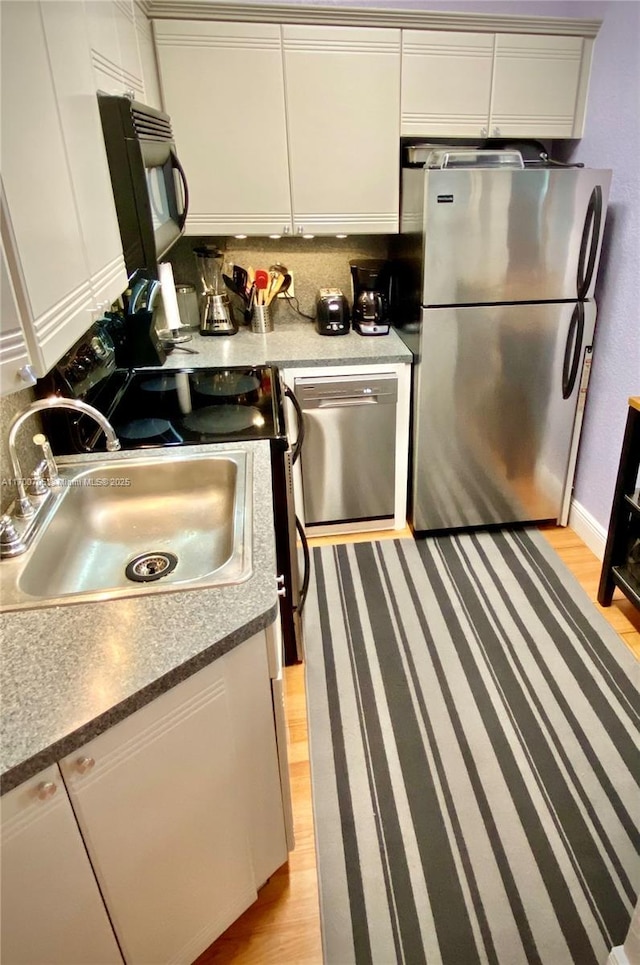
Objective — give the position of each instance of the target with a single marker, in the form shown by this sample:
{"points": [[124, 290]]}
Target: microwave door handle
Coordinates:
{"points": [[175, 164]]}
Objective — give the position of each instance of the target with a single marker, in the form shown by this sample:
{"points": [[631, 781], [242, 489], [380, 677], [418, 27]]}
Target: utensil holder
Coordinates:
{"points": [[261, 321]]}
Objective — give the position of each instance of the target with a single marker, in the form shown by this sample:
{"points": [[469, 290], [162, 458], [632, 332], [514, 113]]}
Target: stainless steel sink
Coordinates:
{"points": [[136, 526]]}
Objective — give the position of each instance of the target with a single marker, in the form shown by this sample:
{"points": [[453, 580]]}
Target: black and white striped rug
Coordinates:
{"points": [[473, 727]]}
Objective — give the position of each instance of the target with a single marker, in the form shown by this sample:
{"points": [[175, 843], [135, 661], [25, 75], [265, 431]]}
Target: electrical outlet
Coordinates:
{"points": [[289, 292]]}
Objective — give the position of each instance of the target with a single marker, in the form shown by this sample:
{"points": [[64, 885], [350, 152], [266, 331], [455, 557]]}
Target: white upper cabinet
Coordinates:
{"points": [[50, 257], [14, 351], [446, 83], [148, 63], [60, 231], [493, 85], [52, 910], [273, 146], [114, 47], [67, 43], [539, 85], [223, 86], [343, 91]]}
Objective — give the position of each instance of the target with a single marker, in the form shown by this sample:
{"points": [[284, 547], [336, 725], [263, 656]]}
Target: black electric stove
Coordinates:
{"points": [[154, 408]]}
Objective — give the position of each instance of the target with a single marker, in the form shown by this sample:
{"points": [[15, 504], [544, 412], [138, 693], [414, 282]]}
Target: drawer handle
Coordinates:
{"points": [[46, 790]]}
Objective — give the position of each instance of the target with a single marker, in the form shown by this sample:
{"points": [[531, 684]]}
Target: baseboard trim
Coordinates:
{"points": [[588, 528]]}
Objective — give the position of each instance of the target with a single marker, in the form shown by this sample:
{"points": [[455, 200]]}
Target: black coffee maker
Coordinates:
{"points": [[370, 278]]}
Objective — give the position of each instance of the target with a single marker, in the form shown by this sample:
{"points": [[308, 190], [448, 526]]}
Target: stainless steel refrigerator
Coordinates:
{"points": [[499, 261]]}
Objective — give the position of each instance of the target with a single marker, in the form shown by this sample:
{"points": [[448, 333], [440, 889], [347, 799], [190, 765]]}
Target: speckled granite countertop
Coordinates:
{"points": [[293, 343], [70, 672]]}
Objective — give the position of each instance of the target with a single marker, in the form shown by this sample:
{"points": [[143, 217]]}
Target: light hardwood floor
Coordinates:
{"points": [[283, 927]]}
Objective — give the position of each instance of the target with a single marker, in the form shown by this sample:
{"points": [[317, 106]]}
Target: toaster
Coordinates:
{"points": [[332, 312]]}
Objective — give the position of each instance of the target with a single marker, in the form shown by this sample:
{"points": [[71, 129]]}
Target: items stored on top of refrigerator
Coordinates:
{"points": [[498, 265]]}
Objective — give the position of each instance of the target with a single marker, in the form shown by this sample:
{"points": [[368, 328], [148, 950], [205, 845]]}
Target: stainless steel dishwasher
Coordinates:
{"points": [[348, 459]]}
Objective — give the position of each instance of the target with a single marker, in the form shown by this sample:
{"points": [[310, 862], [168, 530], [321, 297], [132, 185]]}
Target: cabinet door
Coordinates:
{"points": [[157, 802], [50, 254], [254, 729], [69, 55], [14, 352], [52, 910], [343, 90], [114, 47], [148, 63], [223, 85], [446, 83], [538, 86]]}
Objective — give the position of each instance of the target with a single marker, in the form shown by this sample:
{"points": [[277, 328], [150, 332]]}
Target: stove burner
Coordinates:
{"points": [[149, 429], [226, 384], [217, 419], [164, 383]]}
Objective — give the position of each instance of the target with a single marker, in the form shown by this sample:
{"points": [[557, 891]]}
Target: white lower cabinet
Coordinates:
{"points": [[170, 805], [180, 810], [52, 910]]}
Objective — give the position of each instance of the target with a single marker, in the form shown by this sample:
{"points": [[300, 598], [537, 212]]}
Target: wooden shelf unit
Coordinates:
{"points": [[625, 517]]}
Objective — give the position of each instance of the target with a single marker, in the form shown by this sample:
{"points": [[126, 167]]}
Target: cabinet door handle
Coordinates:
{"points": [[46, 790], [85, 764], [286, 230], [483, 132], [496, 132]]}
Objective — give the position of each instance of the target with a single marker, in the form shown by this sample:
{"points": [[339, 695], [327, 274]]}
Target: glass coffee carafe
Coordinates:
{"points": [[216, 313]]}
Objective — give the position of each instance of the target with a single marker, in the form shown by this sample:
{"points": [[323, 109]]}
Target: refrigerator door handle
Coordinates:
{"points": [[591, 230], [572, 351]]}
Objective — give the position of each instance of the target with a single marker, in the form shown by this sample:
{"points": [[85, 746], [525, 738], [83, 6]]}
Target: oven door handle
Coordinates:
{"points": [[296, 447], [304, 589]]}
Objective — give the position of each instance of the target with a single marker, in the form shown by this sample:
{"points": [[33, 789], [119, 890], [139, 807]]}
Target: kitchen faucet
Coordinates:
{"points": [[24, 507]]}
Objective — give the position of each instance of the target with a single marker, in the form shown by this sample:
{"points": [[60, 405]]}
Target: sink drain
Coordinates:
{"points": [[148, 567]]}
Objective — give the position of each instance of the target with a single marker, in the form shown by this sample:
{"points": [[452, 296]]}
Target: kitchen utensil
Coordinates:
{"points": [[275, 286], [262, 282], [240, 278], [182, 348], [236, 289]]}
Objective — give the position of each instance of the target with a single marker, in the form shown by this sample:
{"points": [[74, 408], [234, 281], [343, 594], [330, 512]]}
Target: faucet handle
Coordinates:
{"points": [[37, 485], [10, 540], [52, 470]]}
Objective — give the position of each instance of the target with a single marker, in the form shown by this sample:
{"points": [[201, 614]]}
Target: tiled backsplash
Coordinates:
{"points": [[315, 263]]}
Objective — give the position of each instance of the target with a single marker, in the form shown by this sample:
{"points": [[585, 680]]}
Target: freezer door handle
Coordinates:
{"points": [[572, 351], [590, 239]]}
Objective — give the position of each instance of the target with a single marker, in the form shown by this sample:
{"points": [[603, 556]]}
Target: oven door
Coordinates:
{"points": [[288, 529]]}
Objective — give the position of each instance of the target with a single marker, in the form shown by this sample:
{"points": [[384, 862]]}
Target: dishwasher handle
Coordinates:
{"points": [[340, 402]]}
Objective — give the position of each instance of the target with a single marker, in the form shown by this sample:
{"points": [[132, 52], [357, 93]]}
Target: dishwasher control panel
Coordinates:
{"points": [[359, 388]]}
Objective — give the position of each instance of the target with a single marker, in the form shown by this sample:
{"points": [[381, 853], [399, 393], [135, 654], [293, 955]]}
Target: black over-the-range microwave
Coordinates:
{"points": [[149, 183]]}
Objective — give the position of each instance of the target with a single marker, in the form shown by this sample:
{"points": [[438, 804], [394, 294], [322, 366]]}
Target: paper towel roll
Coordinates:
{"points": [[169, 299]]}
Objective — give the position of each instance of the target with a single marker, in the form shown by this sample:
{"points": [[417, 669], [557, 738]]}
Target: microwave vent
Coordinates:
{"points": [[151, 126]]}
